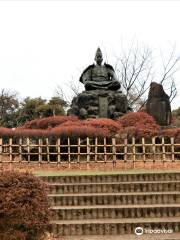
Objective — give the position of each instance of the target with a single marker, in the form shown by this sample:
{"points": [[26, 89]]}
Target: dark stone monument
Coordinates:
{"points": [[102, 97], [158, 104]]}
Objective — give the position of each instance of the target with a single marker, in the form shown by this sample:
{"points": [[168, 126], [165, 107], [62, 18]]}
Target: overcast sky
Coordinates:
{"points": [[45, 43]]}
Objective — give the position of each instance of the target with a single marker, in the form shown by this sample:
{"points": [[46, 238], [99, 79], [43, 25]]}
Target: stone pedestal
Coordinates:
{"points": [[99, 104]]}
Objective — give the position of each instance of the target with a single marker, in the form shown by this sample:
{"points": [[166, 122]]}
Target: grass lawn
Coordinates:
{"points": [[91, 172]]}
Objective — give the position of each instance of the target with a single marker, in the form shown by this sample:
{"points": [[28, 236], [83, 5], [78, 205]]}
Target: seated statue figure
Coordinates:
{"points": [[98, 76]]}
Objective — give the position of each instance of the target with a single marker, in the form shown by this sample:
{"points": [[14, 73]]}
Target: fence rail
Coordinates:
{"points": [[70, 150]]}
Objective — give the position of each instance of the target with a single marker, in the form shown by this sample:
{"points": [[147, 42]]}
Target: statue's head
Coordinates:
{"points": [[98, 56]]}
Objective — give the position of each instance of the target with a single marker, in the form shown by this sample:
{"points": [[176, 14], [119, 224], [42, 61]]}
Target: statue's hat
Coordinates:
{"points": [[98, 52]]}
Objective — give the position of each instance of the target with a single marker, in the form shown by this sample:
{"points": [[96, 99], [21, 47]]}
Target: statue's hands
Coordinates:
{"points": [[84, 80]]}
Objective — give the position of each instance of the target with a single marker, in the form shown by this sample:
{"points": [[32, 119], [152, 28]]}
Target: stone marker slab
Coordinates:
{"points": [[103, 107]]}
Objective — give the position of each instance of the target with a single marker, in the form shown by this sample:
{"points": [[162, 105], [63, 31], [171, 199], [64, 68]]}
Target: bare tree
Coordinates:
{"points": [[170, 67], [74, 88], [59, 91], [136, 70]]}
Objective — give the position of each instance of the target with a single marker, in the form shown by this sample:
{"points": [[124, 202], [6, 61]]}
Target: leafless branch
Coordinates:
{"points": [[135, 73], [135, 70], [61, 93], [75, 88]]}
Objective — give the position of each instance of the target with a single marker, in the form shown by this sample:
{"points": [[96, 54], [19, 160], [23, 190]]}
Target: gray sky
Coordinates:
{"points": [[45, 43]]}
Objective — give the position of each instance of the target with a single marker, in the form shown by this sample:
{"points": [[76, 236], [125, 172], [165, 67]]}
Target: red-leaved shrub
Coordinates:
{"points": [[48, 122], [31, 133], [104, 123], [172, 132], [134, 124], [139, 124], [79, 131], [5, 132], [107, 125], [24, 208], [137, 132], [78, 123], [136, 119]]}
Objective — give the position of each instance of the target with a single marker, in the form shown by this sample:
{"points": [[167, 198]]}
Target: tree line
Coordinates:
{"points": [[14, 112]]}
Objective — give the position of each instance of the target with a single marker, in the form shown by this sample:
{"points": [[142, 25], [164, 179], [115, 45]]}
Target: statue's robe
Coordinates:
{"points": [[99, 77]]}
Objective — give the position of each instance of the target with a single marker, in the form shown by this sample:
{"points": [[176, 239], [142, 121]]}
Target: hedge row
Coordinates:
{"points": [[138, 124]]}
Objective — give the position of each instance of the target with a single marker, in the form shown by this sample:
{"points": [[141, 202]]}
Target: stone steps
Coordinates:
{"points": [[115, 204], [112, 226], [113, 178], [114, 187], [172, 236], [115, 212], [114, 199]]}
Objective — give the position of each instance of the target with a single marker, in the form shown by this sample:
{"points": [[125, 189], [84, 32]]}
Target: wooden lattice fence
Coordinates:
{"points": [[88, 150]]}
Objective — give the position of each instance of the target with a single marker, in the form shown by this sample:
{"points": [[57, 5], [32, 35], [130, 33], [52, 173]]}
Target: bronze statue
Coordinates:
{"points": [[98, 76], [101, 98]]}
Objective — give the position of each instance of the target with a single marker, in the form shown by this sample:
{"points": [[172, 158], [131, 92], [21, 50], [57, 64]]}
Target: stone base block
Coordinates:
{"points": [[99, 104]]}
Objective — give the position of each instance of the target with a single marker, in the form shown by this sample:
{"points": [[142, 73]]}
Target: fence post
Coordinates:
{"points": [[40, 151], [134, 151], [172, 148], [105, 150], [10, 153], [59, 151], [47, 149], [20, 149], [125, 150], [144, 150], [96, 148], [1, 149], [1, 153], [88, 152], [114, 151], [163, 150], [79, 150], [69, 153], [154, 148], [28, 149]]}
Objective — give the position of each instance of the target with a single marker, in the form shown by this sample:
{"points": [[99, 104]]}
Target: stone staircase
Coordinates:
{"points": [[116, 204]]}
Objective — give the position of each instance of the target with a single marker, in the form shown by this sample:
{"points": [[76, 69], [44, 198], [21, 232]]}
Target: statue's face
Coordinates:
{"points": [[99, 59]]}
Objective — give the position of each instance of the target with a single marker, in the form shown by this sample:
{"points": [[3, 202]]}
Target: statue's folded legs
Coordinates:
{"points": [[114, 85]]}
